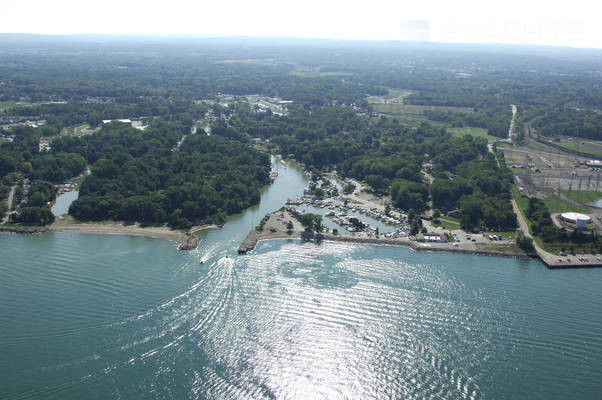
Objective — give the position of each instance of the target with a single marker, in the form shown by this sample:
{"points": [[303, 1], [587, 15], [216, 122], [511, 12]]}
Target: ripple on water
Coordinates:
{"points": [[294, 321]]}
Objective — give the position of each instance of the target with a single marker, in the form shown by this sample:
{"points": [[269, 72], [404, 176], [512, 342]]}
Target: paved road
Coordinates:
{"points": [[521, 220], [10, 203]]}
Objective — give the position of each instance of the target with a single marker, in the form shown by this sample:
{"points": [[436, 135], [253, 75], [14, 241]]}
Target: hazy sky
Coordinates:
{"points": [[573, 23]]}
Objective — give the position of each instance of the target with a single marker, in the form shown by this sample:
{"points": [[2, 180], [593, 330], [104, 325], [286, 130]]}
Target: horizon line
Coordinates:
{"points": [[300, 38]]}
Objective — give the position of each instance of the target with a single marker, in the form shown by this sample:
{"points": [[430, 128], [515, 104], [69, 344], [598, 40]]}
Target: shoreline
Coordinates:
{"points": [[120, 229], [282, 224], [415, 246], [185, 240]]}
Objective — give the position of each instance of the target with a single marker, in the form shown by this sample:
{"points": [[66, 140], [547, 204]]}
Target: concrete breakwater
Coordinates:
{"points": [[251, 240]]}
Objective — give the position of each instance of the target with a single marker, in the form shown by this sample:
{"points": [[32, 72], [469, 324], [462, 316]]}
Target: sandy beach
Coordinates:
{"points": [[68, 224]]}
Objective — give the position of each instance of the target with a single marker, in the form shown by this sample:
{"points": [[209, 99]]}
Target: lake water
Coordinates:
{"points": [[597, 203], [93, 316]]}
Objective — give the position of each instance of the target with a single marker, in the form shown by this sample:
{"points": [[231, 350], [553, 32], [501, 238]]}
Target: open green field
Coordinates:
{"points": [[397, 95], [558, 206], [393, 104], [407, 119], [448, 223], [394, 96], [399, 108], [582, 196], [557, 247], [307, 71], [541, 147], [584, 146], [474, 131]]}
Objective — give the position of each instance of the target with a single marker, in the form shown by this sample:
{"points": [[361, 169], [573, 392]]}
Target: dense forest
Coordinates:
{"points": [[563, 122], [171, 85], [137, 176]]}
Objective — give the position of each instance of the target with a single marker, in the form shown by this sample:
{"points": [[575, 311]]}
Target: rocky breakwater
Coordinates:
{"points": [[23, 231], [190, 243]]}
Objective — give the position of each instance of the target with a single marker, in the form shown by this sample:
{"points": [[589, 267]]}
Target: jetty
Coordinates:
{"points": [[191, 243], [249, 242]]}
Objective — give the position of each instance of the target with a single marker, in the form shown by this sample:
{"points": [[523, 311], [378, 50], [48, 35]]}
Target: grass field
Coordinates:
{"points": [[393, 104], [447, 223], [558, 206], [553, 205], [474, 131], [594, 148], [394, 96], [398, 108], [541, 147], [557, 247], [307, 71], [583, 196], [397, 95], [407, 119]]}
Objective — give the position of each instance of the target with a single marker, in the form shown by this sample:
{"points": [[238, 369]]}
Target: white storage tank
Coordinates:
{"points": [[581, 220]]}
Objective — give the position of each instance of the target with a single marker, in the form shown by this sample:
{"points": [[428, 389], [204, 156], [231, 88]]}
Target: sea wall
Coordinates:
{"points": [[250, 242]]}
